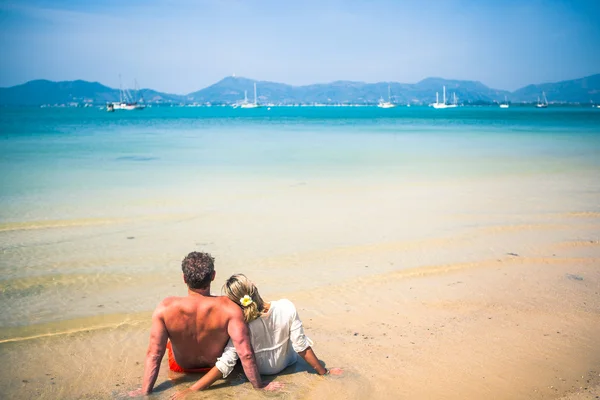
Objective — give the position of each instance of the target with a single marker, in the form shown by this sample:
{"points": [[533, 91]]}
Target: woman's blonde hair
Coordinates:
{"points": [[238, 286]]}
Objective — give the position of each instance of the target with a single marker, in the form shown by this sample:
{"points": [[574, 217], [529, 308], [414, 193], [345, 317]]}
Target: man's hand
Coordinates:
{"points": [[181, 394], [274, 386], [136, 393]]}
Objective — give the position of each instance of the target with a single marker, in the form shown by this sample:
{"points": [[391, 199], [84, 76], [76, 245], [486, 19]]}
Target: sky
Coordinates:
{"points": [[180, 46]]}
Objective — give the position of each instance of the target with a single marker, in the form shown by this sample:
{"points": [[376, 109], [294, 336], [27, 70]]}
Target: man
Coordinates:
{"points": [[195, 329]]}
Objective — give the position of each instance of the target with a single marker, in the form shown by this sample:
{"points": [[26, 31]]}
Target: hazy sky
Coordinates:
{"points": [[180, 46]]}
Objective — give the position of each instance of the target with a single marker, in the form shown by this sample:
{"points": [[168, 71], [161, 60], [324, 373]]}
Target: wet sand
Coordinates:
{"points": [[520, 327], [466, 290]]}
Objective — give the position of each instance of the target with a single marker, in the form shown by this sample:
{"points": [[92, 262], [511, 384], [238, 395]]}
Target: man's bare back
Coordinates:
{"points": [[198, 327]]}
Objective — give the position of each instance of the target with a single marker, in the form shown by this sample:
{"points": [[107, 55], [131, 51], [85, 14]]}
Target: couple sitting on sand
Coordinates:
{"points": [[205, 333]]}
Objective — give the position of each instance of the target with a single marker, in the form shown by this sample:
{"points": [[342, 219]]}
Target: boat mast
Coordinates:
{"points": [[255, 93], [444, 95], [389, 94], [120, 89]]}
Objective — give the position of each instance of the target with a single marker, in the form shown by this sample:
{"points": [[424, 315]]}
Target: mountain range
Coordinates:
{"points": [[231, 90]]}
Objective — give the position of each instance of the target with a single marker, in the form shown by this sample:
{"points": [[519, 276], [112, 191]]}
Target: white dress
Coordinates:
{"points": [[276, 336]]}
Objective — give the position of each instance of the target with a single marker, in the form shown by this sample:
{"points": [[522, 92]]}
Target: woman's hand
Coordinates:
{"points": [[136, 393], [181, 394], [274, 386], [335, 371]]}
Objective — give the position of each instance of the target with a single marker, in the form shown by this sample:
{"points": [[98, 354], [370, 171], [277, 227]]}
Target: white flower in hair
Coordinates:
{"points": [[246, 301]]}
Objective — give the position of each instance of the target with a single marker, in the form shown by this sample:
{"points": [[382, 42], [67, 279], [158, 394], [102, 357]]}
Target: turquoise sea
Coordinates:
{"points": [[76, 183], [55, 153]]}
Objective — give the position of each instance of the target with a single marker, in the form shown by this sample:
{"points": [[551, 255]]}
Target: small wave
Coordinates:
{"points": [[31, 225], [578, 243], [84, 222], [112, 321], [433, 270], [584, 214], [23, 287], [136, 158]]}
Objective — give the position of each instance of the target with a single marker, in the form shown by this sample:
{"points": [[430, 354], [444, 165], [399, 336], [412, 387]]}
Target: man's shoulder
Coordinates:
{"points": [[168, 301], [227, 305], [222, 302]]}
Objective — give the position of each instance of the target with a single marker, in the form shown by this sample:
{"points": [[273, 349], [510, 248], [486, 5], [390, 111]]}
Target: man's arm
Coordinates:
{"points": [[156, 350], [240, 336]]}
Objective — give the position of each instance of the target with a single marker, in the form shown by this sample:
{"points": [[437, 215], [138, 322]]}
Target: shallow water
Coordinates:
{"points": [[97, 209]]}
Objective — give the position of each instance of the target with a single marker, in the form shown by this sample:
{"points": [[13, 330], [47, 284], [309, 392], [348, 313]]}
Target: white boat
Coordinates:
{"points": [[454, 101], [238, 104], [505, 104], [437, 103], [444, 104], [386, 104], [126, 100], [543, 104], [246, 104]]}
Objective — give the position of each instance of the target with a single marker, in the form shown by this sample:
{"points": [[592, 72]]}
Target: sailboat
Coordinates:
{"points": [[454, 101], [543, 104], [387, 104], [246, 104], [505, 104], [126, 100], [437, 103], [443, 104]]}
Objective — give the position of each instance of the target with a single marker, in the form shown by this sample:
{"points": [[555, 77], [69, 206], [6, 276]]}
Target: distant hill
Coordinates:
{"points": [[584, 90], [38, 92], [47, 92], [231, 90]]}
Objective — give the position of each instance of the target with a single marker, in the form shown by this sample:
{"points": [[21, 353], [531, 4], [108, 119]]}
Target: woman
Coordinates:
{"points": [[276, 334]]}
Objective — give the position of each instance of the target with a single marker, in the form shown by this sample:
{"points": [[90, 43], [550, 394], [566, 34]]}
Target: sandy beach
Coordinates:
{"points": [[458, 290], [421, 179]]}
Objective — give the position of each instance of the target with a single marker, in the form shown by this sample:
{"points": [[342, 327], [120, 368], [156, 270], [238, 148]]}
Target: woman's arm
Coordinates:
{"points": [[208, 379], [223, 367], [311, 358], [302, 344]]}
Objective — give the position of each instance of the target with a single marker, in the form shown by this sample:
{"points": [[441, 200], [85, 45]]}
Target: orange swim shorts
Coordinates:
{"points": [[173, 366]]}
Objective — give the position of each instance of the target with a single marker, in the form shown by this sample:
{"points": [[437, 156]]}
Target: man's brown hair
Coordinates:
{"points": [[198, 270]]}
